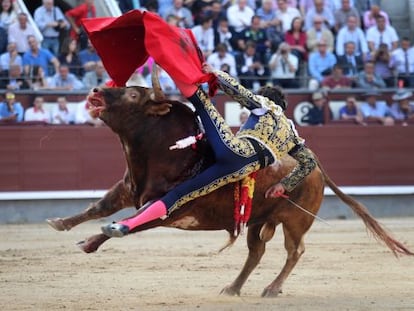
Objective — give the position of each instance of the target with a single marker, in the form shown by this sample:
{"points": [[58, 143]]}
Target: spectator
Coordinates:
{"points": [[351, 33], [351, 64], [82, 116], [200, 9], [216, 11], [343, 13], [3, 39], [64, 80], [402, 110], [267, 14], [223, 57], [37, 79], [184, 14], [321, 62], [61, 113], [316, 114], [19, 32], [371, 15], [306, 5], [85, 10], [223, 35], [296, 38], [286, 14], [337, 80], [377, 111], [69, 56], [51, 22], [244, 115], [404, 61], [350, 111], [152, 6], [367, 79], [364, 5], [10, 110], [164, 6], [97, 77], [37, 112], [381, 33], [8, 13], [257, 35], [11, 57], [283, 66], [384, 64], [249, 67], [15, 80], [318, 33], [270, 24], [323, 12], [173, 20], [240, 15], [38, 56], [204, 34], [88, 57], [167, 84]]}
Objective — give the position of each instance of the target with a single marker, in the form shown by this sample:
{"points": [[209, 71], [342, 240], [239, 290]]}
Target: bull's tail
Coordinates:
{"points": [[372, 225]]}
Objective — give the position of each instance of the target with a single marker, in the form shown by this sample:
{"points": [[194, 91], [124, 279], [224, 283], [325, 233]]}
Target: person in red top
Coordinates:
{"points": [[75, 16], [337, 79], [296, 38]]}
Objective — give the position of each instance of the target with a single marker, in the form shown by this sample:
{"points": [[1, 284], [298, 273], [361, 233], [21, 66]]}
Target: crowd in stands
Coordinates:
{"points": [[328, 44]]}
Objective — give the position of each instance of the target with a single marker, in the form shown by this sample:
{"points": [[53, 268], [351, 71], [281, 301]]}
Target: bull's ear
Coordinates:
{"points": [[158, 109]]}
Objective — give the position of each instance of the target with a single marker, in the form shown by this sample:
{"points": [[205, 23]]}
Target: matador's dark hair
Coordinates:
{"points": [[275, 94]]}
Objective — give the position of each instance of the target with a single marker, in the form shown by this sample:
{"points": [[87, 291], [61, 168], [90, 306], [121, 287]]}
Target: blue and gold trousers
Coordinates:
{"points": [[235, 157]]}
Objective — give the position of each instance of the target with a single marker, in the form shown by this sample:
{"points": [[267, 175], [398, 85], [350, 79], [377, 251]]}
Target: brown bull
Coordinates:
{"points": [[147, 125]]}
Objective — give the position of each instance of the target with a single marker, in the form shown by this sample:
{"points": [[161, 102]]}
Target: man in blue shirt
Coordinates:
{"points": [[51, 22], [38, 56], [10, 110], [374, 110], [89, 57], [321, 62]]}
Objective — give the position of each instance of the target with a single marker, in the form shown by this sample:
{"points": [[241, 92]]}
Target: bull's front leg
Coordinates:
{"points": [[117, 198]]}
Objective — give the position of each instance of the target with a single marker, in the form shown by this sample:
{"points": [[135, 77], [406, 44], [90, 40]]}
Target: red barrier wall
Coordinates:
{"points": [[46, 157]]}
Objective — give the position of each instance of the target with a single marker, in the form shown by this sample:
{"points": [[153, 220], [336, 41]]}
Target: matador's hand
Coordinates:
{"points": [[275, 191]]}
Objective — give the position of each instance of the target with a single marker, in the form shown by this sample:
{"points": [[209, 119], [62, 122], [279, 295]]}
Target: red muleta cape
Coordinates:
{"points": [[124, 43]]}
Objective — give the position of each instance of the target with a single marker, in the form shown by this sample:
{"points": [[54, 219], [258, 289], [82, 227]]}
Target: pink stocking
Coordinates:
{"points": [[154, 211]]}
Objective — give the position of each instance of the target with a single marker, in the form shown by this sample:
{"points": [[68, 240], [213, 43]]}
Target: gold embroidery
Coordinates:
{"points": [[236, 176], [242, 147], [306, 163]]}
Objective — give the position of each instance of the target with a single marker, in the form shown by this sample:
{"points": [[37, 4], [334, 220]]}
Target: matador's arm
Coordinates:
{"points": [[305, 165], [245, 97]]}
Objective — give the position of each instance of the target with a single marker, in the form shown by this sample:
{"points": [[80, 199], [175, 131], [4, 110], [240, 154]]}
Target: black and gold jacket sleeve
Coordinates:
{"points": [[305, 165]]}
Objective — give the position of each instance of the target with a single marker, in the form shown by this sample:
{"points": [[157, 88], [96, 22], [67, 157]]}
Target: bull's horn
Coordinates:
{"points": [[158, 93]]}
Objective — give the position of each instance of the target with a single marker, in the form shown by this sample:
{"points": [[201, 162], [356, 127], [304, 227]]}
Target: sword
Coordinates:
{"points": [[304, 210]]}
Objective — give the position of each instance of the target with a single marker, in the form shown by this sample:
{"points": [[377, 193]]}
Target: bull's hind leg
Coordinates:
{"points": [[257, 248], [114, 200], [295, 247]]}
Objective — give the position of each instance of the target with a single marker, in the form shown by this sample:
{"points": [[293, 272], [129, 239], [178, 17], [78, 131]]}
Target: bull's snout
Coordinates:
{"points": [[96, 90]]}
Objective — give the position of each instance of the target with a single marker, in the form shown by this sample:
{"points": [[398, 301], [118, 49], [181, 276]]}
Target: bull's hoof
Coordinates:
{"points": [[86, 247], [229, 291], [57, 224], [271, 292]]}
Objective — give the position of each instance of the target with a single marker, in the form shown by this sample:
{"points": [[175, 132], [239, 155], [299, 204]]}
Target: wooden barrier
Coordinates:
{"points": [[36, 157]]}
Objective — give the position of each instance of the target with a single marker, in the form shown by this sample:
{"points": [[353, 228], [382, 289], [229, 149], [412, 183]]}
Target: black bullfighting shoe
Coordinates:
{"points": [[115, 230]]}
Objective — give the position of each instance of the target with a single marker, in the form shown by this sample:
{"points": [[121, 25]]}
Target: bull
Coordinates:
{"points": [[147, 125]]}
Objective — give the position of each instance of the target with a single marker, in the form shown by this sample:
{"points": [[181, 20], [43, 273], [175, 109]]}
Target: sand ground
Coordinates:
{"points": [[343, 268]]}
